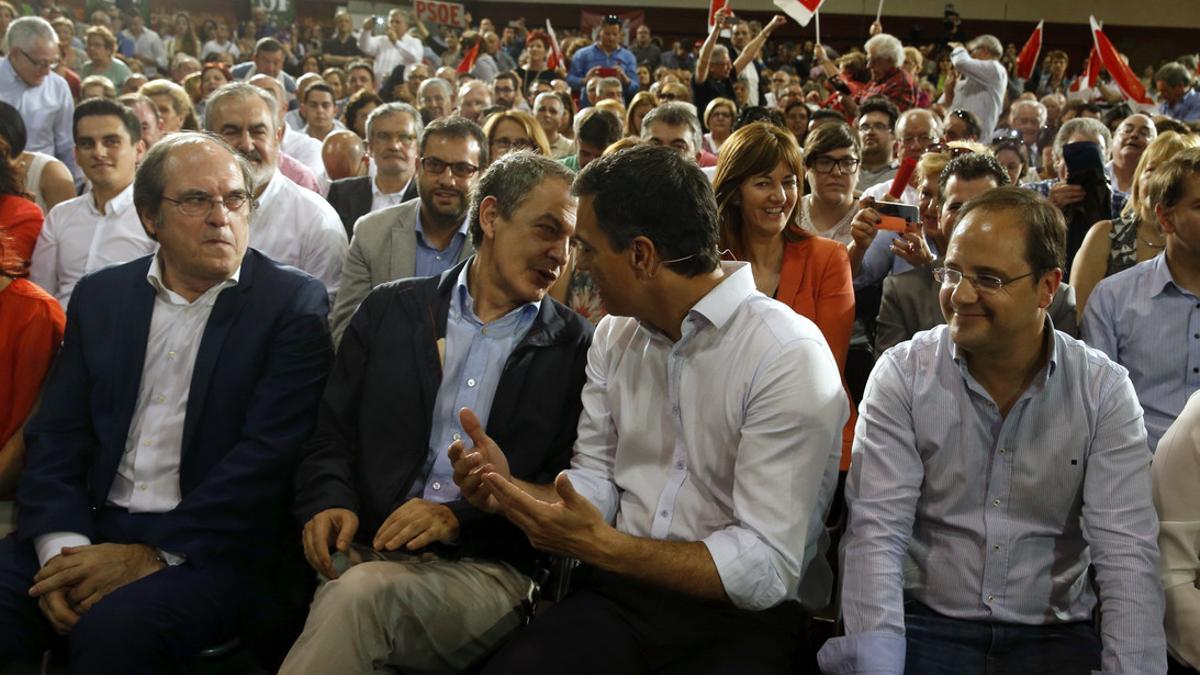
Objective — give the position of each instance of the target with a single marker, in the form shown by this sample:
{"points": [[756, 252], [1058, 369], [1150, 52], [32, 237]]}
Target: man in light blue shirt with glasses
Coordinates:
{"points": [[995, 461]]}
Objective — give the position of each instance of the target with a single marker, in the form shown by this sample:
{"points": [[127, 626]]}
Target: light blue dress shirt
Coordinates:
{"points": [[1187, 110], [474, 361], [1144, 321], [430, 261], [47, 110], [592, 56], [996, 519]]}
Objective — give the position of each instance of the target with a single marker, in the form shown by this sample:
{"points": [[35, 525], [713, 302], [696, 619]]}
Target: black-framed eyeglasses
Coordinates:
{"points": [[823, 164], [983, 283], [201, 204], [436, 166], [48, 65]]}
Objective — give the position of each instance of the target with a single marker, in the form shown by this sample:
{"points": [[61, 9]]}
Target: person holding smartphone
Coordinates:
{"points": [[605, 58]]}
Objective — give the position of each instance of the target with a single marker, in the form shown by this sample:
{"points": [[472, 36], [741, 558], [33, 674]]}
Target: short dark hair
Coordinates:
{"points": [[880, 104], [1173, 74], [457, 127], [319, 86], [676, 209], [824, 115], [103, 107], [974, 127], [1045, 229], [757, 113], [267, 44], [600, 129], [972, 166], [361, 65], [511, 179], [831, 136]]}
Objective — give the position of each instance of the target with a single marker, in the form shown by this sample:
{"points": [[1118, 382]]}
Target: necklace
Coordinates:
{"points": [[1151, 244]]}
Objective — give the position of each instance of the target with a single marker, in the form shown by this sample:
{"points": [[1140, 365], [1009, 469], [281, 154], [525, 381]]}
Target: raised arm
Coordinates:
{"points": [[754, 47], [722, 21]]}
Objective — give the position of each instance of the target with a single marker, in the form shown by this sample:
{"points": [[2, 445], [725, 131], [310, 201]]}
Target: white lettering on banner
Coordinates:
{"points": [[444, 13]]}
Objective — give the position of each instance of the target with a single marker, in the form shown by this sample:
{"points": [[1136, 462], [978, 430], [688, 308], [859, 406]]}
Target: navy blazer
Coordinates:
{"points": [[372, 437], [352, 198], [262, 361]]}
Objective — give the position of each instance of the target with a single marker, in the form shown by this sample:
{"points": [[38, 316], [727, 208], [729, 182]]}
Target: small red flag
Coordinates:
{"points": [[1027, 59], [802, 11], [555, 57], [468, 61], [1121, 73], [713, 6]]}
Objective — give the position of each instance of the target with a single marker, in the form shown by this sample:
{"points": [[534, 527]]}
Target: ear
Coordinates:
{"points": [[489, 213], [148, 224], [140, 151], [1165, 218], [644, 258], [1048, 286]]}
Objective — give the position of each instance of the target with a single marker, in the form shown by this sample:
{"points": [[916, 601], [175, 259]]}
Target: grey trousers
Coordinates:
{"points": [[418, 615]]}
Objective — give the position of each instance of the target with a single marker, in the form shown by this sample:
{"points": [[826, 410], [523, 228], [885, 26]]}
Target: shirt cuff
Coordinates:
{"points": [[600, 492], [52, 543], [749, 578], [171, 559], [870, 653]]}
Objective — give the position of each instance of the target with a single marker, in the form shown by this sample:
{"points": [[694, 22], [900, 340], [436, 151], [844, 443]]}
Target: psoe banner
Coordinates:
{"points": [[443, 13]]}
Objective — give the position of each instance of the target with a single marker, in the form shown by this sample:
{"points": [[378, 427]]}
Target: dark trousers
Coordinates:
{"points": [[610, 624], [940, 645], [148, 626]]}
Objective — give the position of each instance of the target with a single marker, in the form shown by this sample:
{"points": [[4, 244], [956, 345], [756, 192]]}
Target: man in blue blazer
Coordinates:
{"points": [[159, 462]]}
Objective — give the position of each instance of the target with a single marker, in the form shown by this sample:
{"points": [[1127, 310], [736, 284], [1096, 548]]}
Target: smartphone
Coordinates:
{"points": [[605, 71], [380, 25], [896, 217]]}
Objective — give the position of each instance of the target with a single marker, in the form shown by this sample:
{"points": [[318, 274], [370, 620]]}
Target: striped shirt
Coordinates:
{"points": [[996, 519], [1144, 321]]}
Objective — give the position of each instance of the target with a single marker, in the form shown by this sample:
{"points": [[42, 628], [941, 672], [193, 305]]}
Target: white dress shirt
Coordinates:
{"points": [[77, 238], [296, 227], [150, 45], [147, 479], [1176, 475], [382, 200], [47, 110], [303, 148], [407, 51], [730, 436], [980, 89]]}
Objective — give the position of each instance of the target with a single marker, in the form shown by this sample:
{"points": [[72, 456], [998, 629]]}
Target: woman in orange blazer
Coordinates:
{"points": [[758, 185]]}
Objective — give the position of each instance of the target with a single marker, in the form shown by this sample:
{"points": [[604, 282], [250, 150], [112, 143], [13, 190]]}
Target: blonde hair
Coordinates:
{"points": [[717, 103], [641, 98], [180, 100], [524, 120], [1165, 146]]}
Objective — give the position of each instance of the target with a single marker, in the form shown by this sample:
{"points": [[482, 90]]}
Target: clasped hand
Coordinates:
{"points": [[73, 582]]}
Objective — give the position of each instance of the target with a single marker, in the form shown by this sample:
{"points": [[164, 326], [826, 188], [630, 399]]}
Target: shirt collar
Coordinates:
{"points": [[154, 277], [1160, 276], [463, 304], [376, 192], [273, 189], [1051, 362], [115, 206], [723, 300]]}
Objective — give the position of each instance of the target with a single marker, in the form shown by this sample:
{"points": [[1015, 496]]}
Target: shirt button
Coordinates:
{"points": [[457, 436], [483, 330], [141, 486], [471, 382], [996, 547], [995, 502], [679, 466], [146, 443], [991, 598], [1196, 370], [160, 398], [664, 513], [1002, 451], [437, 485], [171, 355]]}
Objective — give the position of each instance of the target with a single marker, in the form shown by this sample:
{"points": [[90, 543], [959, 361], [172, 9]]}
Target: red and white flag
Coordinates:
{"points": [[800, 10], [1027, 59], [1091, 73], [713, 7], [468, 62], [555, 58], [1121, 73]]}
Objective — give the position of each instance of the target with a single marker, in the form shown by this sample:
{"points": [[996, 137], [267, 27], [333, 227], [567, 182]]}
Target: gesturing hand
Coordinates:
{"points": [[416, 524], [88, 573], [331, 527], [571, 527], [470, 465], [865, 223]]}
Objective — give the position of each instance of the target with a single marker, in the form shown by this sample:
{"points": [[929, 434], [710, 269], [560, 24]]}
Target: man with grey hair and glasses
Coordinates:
{"points": [[415, 577], [155, 480], [29, 83], [393, 133], [293, 226], [1000, 485], [982, 81]]}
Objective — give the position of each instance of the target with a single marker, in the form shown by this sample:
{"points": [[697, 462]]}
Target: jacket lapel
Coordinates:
{"points": [[404, 244], [792, 274], [546, 330], [225, 311]]}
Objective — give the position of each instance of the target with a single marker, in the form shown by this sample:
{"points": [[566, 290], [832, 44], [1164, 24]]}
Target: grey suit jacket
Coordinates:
{"points": [[910, 305], [383, 249]]}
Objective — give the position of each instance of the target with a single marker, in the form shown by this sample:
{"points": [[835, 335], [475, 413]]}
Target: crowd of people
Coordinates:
{"points": [[481, 350]]}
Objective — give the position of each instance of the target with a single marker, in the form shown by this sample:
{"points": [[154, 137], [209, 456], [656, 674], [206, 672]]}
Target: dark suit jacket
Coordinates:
{"points": [[372, 436], [351, 198], [262, 361]]}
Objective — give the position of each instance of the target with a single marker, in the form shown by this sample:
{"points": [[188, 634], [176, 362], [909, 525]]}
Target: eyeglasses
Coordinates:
{"points": [[505, 144], [983, 283], [202, 204], [916, 140], [877, 126], [436, 166], [387, 139], [48, 65], [823, 164]]}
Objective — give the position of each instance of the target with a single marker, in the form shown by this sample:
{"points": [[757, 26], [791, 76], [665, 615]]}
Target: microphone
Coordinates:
{"points": [[905, 172]]}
